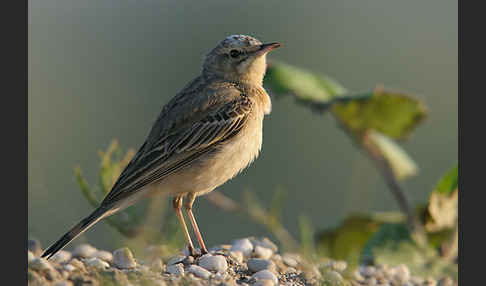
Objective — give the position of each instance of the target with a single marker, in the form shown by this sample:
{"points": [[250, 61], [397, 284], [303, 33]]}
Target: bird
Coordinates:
{"points": [[204, 136]]}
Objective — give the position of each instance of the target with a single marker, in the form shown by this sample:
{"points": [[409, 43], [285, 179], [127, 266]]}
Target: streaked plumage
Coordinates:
{"points": [[204, 136]]}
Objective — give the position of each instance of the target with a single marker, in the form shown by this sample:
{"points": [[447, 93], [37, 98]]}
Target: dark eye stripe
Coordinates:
{"points": [[234, 53]]}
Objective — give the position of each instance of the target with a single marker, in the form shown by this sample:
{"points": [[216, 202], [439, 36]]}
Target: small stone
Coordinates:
{"points": [[243, 245], [402, 274], [63, 283], [103, 255], [429, 282], [84, 250], [176, 269], [265, 242], [30, 256], [264, 275], [35, 246], [259, 264], [213, 263], [236, 255], [69, 267], [40, 264], [61, 257], [334, 277], [367, 271], [263, 252], [289, 260], [198, 271], [123, 258], [371, 281], [157, 265], [78, 264], [176, 259], [264, 282], [339, 266], [97, 263]]}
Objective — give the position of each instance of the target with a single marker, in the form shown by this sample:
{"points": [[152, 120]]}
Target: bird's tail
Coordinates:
{"points": [[78, 229]]}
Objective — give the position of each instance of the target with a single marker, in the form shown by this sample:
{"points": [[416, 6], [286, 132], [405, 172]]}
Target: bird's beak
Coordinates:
{"points": [[265, 48]]}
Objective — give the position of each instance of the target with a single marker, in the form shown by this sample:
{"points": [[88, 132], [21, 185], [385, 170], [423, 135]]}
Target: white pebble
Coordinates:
{"points": [[259, 264], [236, 255], [263, 252], [41, 264], [84, 250], [61, 257], [176, 269], [96, 262], [289, 260], [264, 282], [123, 258], [63, 283], [69, 267], [243, 245], [402, 274], [175, 259], [213, 263], [30, 256], [199, 271], [103, 255], [264, 275]]}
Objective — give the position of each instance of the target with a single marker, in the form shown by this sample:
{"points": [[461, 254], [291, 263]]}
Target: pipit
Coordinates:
{"points": [[204, 136]]}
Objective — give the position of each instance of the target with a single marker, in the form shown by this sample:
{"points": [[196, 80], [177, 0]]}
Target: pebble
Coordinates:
{"points": [[30, 256], [176, 269], [367, 271], [103, 255], [265, 242], [213, 262], [84, 250], [339, 266], [259, 264], [401, 275], [446, 281], [289, 260], [96, 262], [198, 271], [175, 259], [265, 282], [69, 267], [334, 277], [123, 258], [35, 246], [63, 283], [264, 275], [40, 264], [61, 257], [77, 263], [236, 255], [263, 252], [244, 245]]}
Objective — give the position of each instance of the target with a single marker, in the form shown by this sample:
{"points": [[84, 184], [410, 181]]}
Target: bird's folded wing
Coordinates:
{"points": [[180, 146]]}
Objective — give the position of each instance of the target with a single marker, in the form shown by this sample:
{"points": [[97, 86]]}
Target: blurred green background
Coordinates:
{"points": [[100, 70]]}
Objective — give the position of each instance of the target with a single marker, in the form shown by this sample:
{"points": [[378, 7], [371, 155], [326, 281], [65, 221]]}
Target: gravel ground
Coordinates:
{"points": [[244, 262]]}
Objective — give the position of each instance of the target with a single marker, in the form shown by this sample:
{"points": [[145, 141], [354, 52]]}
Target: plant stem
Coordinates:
{"points": [[415, 228]]}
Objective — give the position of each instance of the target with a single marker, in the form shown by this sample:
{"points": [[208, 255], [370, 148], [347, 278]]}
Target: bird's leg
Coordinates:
{"points": [[188, 206], [177, 204]]}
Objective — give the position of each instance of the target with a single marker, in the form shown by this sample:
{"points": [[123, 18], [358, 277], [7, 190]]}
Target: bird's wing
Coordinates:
{"points": [[171, 146]]}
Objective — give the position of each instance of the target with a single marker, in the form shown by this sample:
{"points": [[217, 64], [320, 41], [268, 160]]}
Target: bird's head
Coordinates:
{"points": [[238, 58]]}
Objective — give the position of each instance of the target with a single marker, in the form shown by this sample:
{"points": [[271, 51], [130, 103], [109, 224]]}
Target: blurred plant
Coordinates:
{"points": [[384, 238], [147, 218], [372, 119]]}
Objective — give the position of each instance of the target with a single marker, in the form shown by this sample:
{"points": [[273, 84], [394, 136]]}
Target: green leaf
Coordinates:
{"points": [[346, 241], [318, 90], [400, 163], [448, 183], [391, 113]]}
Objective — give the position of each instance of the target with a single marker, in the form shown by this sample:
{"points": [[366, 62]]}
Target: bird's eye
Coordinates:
{"points": [[234, 53]]}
